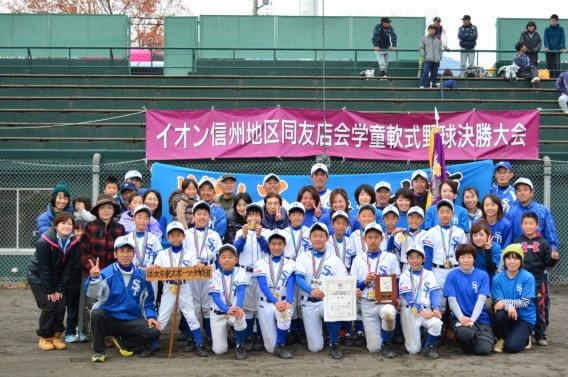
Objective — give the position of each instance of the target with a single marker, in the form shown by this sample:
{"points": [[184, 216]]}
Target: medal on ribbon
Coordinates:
{"points": [[298, 243], [371, 293], [275, 277], [199, 249], [140, 251], [228, 289], [416, 290], [174, 287], [316, 272], [447, 249]]}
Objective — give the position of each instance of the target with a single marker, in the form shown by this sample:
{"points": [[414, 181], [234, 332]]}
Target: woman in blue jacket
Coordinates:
{"points": [[60, 201], [448, 190]]}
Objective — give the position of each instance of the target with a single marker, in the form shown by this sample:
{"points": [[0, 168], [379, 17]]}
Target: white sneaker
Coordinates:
{"points": [[421, 87], [535, 80]]}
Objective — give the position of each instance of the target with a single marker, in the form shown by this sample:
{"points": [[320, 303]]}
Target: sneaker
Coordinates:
{"points": [[303, 339], [241, 352], [249, 344], [83, 338], [535, 80], [349, 341], [383, 73], [258, 344], [72, 338], [209, 344], [149, 351], [498, 347], [189, 346], [429, 352], [282, 352], [387, 351], [421, 87], [398, 338], [121, 348], [99, 357], [334, 351], [542, 342], [360, 340], [182, 337], [202, 351], [528, 346], [290, 339], [438, 342]]}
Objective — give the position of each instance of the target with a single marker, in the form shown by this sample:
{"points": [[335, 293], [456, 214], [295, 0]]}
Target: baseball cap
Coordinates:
{"points": [[142, 207], [390, 208], [122, 241], [367, 206], [382, 184], [132, 174], [268, 176], [319, 226], [466, 17], [297, 205], [416, 247], [503, 164], [385, 19], [174, 225], [205, 180], [319, 166], [340, 214], [254, 206], [127, 186], [514, 248], [228, 246], [227, 176], [444, 202], [415, 209], [201, 204], [437, 19], [372, 226], [523, 181], [417, 173], [277, 233]]}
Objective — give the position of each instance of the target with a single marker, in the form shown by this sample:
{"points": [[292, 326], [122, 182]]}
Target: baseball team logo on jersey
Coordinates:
{"points": [[211, 245], [455, 242], [520, 289], [498, 237], [136, 286], [475, 286]]}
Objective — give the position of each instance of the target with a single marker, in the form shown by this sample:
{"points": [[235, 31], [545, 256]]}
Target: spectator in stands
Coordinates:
{"points": [[526, 67], [384, 37], [60, 201], [320, 175], [467, 34], [554, 41], [531, 39], [236, 217], [228, 183], [440, 32], [431, 51], [562, 87]]}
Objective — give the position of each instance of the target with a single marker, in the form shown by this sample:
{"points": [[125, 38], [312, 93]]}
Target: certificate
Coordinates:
{"points": [[340, 301]]}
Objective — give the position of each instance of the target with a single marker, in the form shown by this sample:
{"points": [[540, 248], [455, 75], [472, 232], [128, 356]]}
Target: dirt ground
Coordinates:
{"points": [[20, 355]]}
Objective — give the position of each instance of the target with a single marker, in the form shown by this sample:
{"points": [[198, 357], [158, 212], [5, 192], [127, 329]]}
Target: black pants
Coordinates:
{"points": [[541, 303], [533, 56], [516, 333], [529, 75], [52, 313], [72, 300], [480, 336], [133, 333], [553, 63]]}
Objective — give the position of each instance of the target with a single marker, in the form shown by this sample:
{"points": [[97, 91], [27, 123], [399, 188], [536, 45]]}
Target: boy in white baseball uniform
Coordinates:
{"points": [[420, 304], [379, 320], [366, 215], [413, 235], [440, 245], [311, 270], [228, 287], [204, 243], [177, 256], [251, 243], [275, 276], [390, 218]]}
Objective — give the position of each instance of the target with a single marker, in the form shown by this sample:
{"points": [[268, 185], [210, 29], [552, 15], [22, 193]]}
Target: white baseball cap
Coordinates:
{"points": [[382, 184], [201, 204], [268, 176], [444, 201], [277, 233], [297, 205], [340, 214], [228, 246], [132, 174], [320, 226], [417, 210], [417, 173], [123, 240], [523, 181], [205, 180], [372, 226], [390, 208], [319, 166], [367, 206], [174, 225], [142, 208], [416, 247]]}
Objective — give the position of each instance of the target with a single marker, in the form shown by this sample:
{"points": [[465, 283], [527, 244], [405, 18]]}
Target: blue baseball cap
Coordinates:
{"points": [[127, 186], [503, 164], [367, 206]]}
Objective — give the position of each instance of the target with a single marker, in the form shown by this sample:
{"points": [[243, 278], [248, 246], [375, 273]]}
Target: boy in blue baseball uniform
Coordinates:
{"points": [[503, 174], [228, 288], [125, 306], [275, 276]]}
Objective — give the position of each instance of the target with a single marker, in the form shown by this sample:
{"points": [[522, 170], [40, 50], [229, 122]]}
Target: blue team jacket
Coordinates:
{"points": [[545, 221], [218, 220]]}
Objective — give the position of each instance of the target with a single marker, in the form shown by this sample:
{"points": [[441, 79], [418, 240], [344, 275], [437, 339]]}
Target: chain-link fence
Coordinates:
{"points": [[27, 188]]}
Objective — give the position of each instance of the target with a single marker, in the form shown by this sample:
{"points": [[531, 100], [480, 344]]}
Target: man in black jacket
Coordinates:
{"points": [[384, 37], [467, 34]]}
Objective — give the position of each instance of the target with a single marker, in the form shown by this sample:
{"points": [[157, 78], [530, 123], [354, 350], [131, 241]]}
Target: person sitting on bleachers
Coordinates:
{"points": [[562, 87], [526, 68]]}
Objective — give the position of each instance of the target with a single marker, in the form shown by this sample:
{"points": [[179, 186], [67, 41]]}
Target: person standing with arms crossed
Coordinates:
{"points": [[384, 37], [467, 34]]}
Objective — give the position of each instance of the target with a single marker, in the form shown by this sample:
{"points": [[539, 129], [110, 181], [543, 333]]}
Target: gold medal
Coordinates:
{"points": [[402, 238], [316, 288], [173, 289], [447, 264], [252, 225], [371, 295], [276, 294], [414, 311], [226, 316]]}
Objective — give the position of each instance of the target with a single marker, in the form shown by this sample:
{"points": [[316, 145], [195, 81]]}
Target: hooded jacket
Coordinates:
{"points": [[546, 225], [554, 38], [537, 255], [269, 222], [468, 36], [45, 220], [384, 37], [129, 226]]}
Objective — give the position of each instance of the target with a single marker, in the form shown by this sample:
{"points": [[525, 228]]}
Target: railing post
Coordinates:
{"points": [[547, 178], [96, 175], [17, 219]]}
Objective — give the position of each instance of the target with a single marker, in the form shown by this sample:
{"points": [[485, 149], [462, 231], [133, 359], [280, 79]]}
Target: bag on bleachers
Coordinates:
{"points": [[543, 74], [474, 72], [508, 72]]}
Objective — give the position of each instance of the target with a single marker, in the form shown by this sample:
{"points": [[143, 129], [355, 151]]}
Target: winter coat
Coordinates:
{"points": [[533, 43], [430, 49], [562, 83], [269, 222], [45, 220], [467, 36], [537, 255], [97, 241], [84, 215], [235, 222], [181, 208], [50, 266], [554, 38], [546, 225], [384, 38], [522, 61], [129, 226]]}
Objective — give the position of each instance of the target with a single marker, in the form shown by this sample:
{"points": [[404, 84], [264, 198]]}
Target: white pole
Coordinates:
{"points": [[96, 171], [547, 175]]}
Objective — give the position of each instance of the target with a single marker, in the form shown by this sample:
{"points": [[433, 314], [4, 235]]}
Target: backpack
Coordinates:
{"points": [[508, 72], [474, 72]]}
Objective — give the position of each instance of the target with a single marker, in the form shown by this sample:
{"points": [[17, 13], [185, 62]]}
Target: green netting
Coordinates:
{"points": [[64, 30], [509, 30], [180, 32]]}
